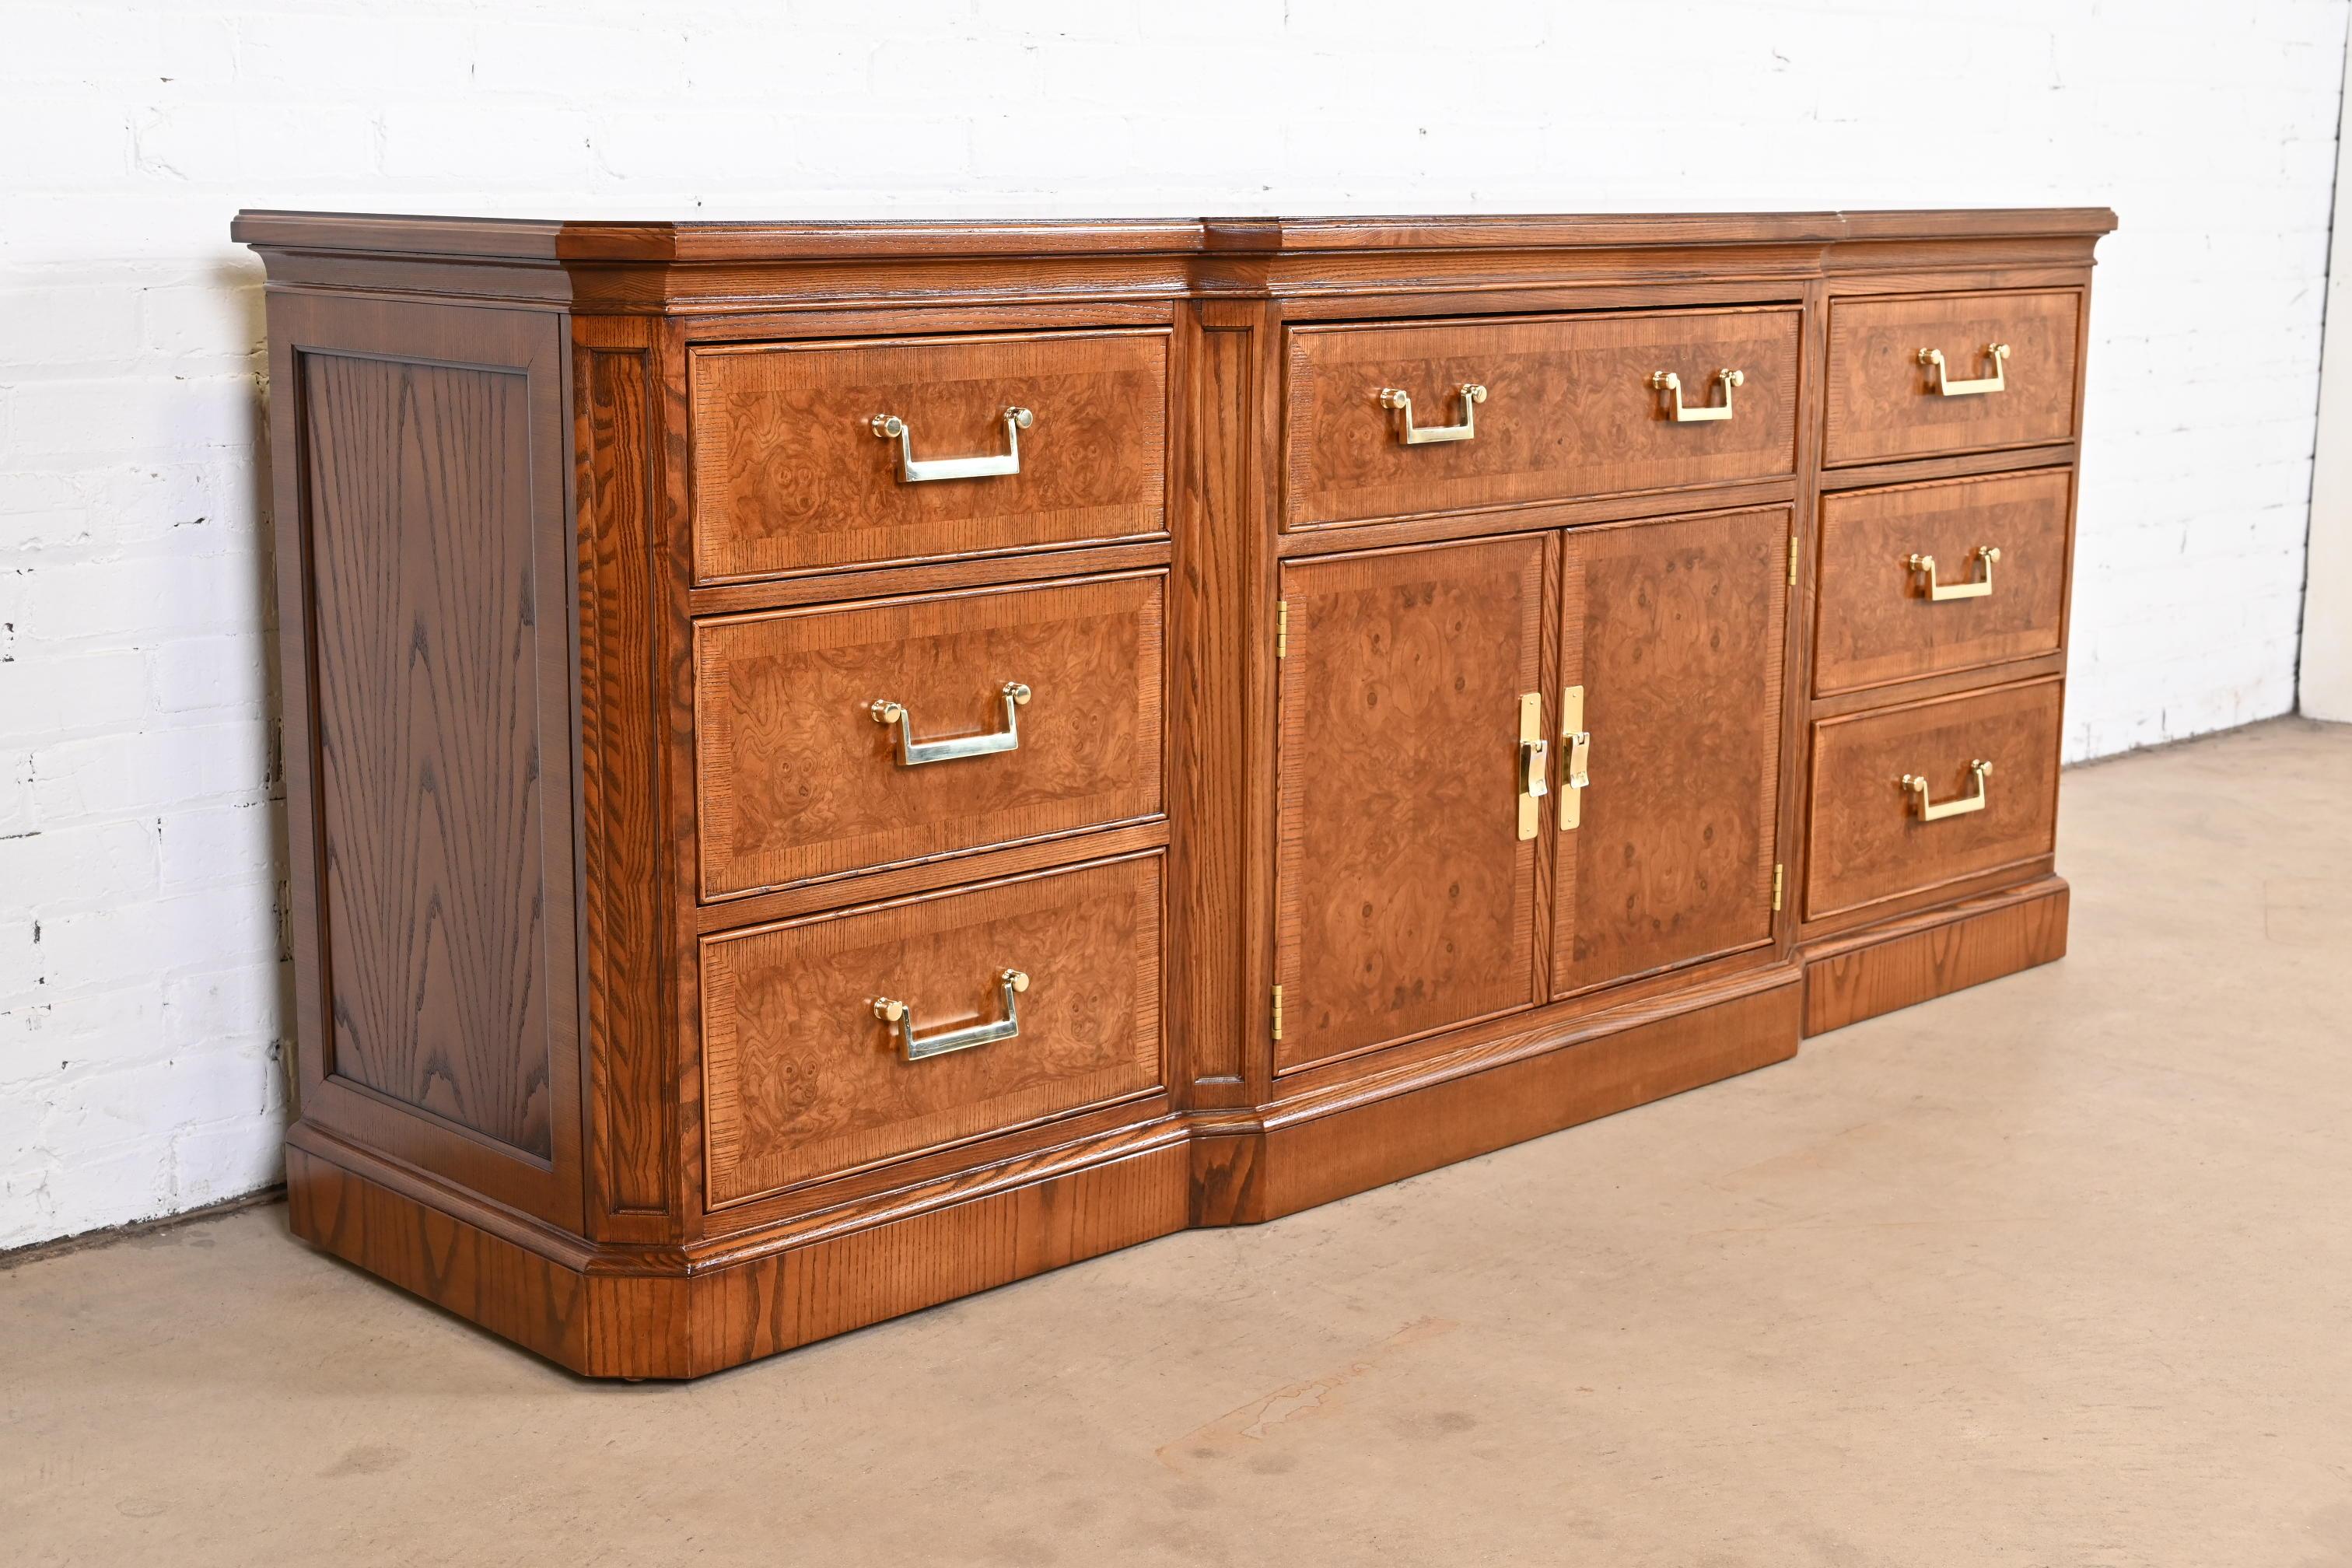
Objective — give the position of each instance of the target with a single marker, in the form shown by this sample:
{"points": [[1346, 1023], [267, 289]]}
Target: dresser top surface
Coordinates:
{"points": [[604, 240]]}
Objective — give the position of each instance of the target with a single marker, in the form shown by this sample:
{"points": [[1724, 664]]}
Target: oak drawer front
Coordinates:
{"points": [[1875, 836], [828, 740], [1570, 407], [802, 1078], [1885, 404], [1921, 579], [797, 468]]}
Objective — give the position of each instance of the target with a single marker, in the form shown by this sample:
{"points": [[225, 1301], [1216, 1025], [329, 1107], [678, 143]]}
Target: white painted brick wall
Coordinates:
{"points": [[140, 987]]}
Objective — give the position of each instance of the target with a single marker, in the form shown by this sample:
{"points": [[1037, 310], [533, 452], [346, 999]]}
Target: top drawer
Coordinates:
{"points": [[1888, 400], [812, 457], [1377, 423]]}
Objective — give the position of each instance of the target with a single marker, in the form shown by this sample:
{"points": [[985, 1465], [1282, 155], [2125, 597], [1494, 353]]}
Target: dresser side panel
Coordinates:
{"points": [[427, 639]]}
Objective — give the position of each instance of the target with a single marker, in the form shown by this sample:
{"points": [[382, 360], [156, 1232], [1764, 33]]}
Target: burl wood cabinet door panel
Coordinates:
{"points": [[1884, 404], [796, 778], [1406, 897], [1675, 632], [1875, 837], [1879, 619], [802, 1078], [1571, 409], [790, 474]]}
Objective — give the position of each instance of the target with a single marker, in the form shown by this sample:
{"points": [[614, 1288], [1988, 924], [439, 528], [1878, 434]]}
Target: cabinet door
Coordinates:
{"points": [[1674, 633], [1406, 895]]}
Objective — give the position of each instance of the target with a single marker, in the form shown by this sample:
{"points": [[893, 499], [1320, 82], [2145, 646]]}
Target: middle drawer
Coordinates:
{"points": [[1918, 580], [1390, 420], [835, 740]]}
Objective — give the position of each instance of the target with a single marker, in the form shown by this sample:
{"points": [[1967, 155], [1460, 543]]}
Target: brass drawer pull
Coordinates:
{"points": [[1472, 394], [1534, 763], [914, 753], [890, 1010], [1975, 588], [1579, 758], [1997, 353], [1670, 383], [1980, 770], [890, 427]]}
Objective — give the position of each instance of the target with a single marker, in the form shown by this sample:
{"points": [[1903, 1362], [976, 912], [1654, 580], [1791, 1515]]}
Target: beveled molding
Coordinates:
{"points": [[697, 264]]}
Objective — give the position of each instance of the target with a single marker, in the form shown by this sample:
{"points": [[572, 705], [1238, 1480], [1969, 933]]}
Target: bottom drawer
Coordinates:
{"points": [[1876, 837], [803, 1078]]}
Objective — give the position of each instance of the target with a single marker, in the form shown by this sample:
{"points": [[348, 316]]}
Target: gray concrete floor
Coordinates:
{"points": [[2057, 1271]]}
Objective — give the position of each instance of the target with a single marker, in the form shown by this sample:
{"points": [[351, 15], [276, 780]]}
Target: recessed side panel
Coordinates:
{"points": [[429, 734], [430, 738]]}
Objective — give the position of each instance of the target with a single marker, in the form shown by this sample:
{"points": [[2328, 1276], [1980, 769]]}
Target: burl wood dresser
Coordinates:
{"points": [[836, 765]]}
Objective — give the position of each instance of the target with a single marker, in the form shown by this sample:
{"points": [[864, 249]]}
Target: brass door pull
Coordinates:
{"points": [[1579, 758], [1534, 763], [1975, 588], [1997, 353], [890, 427], [1412, 435], [914, 753], [1670, 383], [890, 1010], [1979, 770]]}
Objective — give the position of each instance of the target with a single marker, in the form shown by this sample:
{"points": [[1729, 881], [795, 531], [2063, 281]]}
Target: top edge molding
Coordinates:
{"points": [[551, 242]]}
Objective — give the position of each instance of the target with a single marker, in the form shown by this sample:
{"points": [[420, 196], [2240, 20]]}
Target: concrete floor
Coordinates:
{"points": [[2058, 1271]]}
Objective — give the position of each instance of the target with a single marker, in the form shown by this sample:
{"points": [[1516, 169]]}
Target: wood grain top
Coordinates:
{"points": [[698, 239]]}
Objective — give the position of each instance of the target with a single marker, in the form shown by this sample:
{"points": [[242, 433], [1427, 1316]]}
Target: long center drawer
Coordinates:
{"points": [[829, 740], [1563, 406]]}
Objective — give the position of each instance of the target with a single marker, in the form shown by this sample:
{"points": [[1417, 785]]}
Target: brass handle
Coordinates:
{"points": [[1979, 770], [1670, 383], [1534, 763], [1579, 758], [890, 427], [890, 1010], [1974, 588], [1934, 359], [1471, 394], [914, 753]]}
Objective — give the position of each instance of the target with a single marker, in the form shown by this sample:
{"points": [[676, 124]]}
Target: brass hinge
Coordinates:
{"points": [[1281, 627], [1776, 890], [1277, 1012], [1792, 560]]}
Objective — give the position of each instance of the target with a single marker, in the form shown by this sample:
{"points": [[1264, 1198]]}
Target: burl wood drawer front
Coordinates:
{"points": [[834, 740], [1921, 579], [809, 456], [1887, 401], [1876, 836], [1379, 424], [803, 1078]]}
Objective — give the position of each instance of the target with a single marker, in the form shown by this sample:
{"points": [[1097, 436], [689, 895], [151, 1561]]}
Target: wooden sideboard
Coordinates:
{"points": [[832, 767]]}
